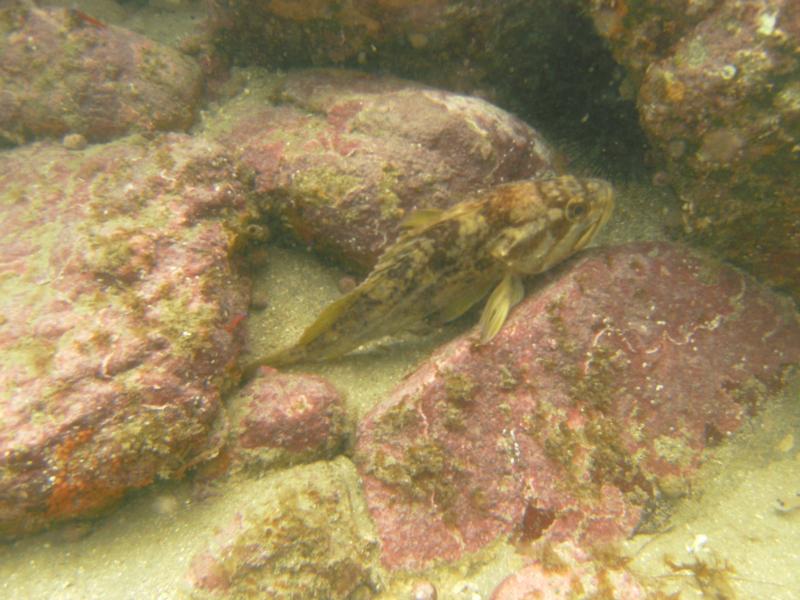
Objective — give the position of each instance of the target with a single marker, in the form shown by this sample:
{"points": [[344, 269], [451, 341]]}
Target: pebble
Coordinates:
{"points": [[259, 299], [347, 284], [165, 504], [423, 590], [74, 141]]}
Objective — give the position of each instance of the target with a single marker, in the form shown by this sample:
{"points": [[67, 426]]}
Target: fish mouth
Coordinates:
{"points": [[604, 205], [606, 202]]}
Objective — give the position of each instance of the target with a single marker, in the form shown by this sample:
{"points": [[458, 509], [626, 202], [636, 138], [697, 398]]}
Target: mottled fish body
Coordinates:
{"points": [[444, 262]]}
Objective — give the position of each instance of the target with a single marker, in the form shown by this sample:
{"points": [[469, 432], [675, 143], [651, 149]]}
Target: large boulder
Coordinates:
{"points": [[455, 40], [718, 92], [119, 319], [541, 60], [341, 157], [594, 401], [64, 72]]}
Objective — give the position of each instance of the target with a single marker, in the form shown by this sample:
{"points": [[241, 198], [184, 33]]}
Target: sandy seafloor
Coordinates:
{"points": [[143, 548]]}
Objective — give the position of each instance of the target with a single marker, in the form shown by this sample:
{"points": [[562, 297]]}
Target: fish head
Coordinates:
{"points": [[548, 220]]}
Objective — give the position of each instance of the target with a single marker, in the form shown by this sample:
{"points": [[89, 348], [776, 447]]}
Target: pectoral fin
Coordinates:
{"points": [[467, 300], [507, 294]]}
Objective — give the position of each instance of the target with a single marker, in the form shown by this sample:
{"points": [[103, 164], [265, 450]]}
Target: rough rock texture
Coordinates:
{"points": [[118, 314], [280, 419], [455, 36], [342, 156], [644, 32], [62, 72], [598, 394], [718, 88], [541, 60], [306, 536]]}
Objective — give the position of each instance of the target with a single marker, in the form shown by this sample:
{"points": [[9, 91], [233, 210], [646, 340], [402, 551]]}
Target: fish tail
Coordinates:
{"points": [[316, 343], [282, 358]]}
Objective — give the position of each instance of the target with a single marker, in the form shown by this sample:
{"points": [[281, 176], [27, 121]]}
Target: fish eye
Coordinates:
{"points": [[575, 210]]}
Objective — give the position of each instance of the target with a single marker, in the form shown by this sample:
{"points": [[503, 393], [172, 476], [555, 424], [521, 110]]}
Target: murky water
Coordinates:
{"points": [[728, 532]]}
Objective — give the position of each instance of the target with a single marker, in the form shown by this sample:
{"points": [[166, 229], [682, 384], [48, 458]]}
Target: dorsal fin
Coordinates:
{"points": [[421, 218]]}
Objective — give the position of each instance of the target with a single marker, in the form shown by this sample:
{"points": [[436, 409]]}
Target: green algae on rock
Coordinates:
{"points": [[65, 74], [308, 535], [612, 400], [717, 95], [341, 157], [116, 300]]}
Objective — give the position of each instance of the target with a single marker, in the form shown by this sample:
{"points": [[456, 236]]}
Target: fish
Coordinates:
{"points": [[446, 261]]}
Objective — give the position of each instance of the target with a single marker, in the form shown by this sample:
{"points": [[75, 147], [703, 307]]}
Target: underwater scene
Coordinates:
{"points": [[381, 299]]}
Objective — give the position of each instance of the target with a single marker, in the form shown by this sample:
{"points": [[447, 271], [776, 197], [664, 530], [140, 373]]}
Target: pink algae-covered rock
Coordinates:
{"points": [[284, 418], [343, 156], [62, 71], [117, 305], [718, 94], [601, 390]]}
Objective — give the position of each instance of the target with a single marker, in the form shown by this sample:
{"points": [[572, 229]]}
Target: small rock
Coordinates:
{"points": [[280, 419], [165, 504], [423, 590], [207, 572], [347, 284]]}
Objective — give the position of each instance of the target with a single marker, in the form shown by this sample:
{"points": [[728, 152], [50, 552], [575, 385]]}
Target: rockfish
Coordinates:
{"points": [[445, 261]]}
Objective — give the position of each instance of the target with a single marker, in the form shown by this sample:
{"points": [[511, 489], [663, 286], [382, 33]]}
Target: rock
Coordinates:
{"points": [[459, 41], [343, 156], [641, 37], [307, 535], [65, 72], [605, 382], [541, 60], [424, 590], [719, 98], [283, 419], [116, 302]]}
